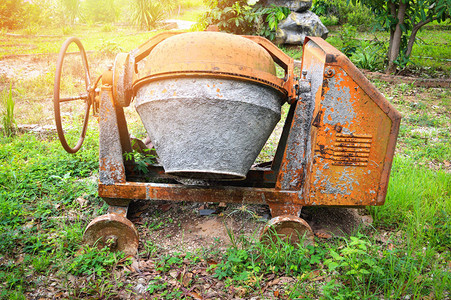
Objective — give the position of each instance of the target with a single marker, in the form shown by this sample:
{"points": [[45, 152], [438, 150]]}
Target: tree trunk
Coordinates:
{"points": [[415, 29], [396, 39], [392, 7]]}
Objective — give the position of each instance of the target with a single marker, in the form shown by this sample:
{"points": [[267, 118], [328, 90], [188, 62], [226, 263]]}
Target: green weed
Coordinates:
{"points": [[369, 56], [31, 29], [110, 48], [329, 20], [7, 112], [108, 28], [141, 158], [93, 261], [67, 30]]}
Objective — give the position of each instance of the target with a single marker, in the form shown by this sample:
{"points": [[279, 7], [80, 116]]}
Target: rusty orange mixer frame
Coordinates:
{"points": [[336, 147]]}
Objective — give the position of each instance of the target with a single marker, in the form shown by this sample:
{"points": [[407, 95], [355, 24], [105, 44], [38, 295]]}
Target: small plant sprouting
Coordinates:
{"points": [[141, 158], [354, 262], [8, 121]]}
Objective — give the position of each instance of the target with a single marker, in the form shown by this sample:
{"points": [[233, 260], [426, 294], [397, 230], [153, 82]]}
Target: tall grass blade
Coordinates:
{"points": [[8, 121]]}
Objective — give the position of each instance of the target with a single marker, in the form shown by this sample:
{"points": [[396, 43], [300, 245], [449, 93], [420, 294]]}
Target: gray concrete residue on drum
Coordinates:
{"points": [[208, 128]]}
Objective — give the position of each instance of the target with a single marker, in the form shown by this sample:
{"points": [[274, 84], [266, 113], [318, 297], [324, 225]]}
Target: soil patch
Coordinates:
{"points": [[176, 226], [416, 81]]}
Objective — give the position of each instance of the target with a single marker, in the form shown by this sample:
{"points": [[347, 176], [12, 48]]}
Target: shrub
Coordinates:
{"points": [[147, 14], [329, 20], [107, 28], [357, 15], [243, 17], [110, 48]]}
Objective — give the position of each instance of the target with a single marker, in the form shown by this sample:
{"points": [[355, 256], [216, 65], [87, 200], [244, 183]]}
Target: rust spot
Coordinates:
{"points": [[331, 58]]}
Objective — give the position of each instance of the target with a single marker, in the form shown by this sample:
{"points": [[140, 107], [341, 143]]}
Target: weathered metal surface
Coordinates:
{"points": [[178, 192], [119, 210], [287, 228], [114, 231], [144, 49], [283, 60], [213, 54], [122, 79], [285, 208], [208, 128], [291, 173], [353, 135], [111, 164], [297, 153]]}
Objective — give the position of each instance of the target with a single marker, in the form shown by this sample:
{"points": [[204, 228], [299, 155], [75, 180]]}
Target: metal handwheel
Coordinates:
{"points": [[87, 97]]}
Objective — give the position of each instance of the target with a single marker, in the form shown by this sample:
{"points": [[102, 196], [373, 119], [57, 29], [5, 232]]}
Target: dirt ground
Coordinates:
{"points": [[189, 226]]}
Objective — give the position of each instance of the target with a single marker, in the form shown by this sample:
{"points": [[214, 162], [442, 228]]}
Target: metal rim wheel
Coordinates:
{"points": [[113, 231], [87, 97], [287, 228]]}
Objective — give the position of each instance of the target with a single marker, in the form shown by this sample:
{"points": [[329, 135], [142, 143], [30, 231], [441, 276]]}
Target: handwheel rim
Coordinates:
{"points": [[57, 99]]}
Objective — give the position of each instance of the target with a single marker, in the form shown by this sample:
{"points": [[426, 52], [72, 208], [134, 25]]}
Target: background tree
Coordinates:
{"points": [[403, 19], [100, 11], [147, 13], [12, 13], [16, 14], [71, 9]]}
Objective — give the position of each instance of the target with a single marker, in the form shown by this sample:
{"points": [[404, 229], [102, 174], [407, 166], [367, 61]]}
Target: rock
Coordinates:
{"points": [[297, 26], [293, 5], [139, 289], [141, 286], [367, 220], [323, 234]]}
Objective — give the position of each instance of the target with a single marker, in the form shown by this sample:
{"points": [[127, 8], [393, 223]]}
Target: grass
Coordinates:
{"points": [[93, 37], [430, 54]]}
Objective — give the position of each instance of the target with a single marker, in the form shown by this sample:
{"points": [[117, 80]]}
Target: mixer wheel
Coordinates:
{"points": [[113, 231], [287, 228], [87, 97]]}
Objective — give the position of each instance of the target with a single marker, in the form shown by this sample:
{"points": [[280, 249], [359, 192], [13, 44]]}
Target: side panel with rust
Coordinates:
{"points": [[353, 136]]}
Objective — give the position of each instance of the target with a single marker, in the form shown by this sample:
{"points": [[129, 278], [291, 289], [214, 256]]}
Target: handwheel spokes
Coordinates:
{"points": [[68, 99]]}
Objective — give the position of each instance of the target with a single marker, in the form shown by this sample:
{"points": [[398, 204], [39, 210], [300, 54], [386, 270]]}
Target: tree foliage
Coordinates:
{"points": [[99, 11], [11, 12], [147, 13], [403, 19], [344, 12], [71, 9]]}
